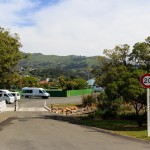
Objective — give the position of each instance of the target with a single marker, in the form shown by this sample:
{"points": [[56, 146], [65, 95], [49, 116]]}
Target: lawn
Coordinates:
{"points": [[122, 127]]}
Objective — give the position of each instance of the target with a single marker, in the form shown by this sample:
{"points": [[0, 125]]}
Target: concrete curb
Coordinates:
{"points": [[47, 108]]}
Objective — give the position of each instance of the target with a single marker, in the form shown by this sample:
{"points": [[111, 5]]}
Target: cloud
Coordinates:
{"points": [[79, 27]]}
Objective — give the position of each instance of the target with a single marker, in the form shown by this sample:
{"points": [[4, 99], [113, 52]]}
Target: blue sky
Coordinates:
{"points": [[76, 27]]}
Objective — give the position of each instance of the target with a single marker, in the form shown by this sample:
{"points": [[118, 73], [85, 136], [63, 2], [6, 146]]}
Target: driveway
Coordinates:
{"points": [[43, 131], [37, 104]]}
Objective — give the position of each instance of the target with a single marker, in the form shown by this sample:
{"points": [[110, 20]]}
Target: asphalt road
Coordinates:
{"points": [[41, 131], [38, 102], [44, 130]]}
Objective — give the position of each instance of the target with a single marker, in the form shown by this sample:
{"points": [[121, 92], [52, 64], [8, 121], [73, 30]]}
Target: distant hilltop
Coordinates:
{"points": [[39, 60]]}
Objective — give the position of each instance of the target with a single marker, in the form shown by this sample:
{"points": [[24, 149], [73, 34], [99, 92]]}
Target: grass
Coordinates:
{"points": [[122, 127]]}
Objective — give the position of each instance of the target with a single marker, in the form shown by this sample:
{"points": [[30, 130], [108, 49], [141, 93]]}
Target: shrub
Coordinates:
{"points": [[88, 100], [109, 108]]}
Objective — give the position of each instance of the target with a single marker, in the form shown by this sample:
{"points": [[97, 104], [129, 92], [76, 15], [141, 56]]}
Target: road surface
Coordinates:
{"points": [[38, 102], [41, 131]]}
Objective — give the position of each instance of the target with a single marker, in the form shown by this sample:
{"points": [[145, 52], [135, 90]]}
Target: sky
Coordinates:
{"points": [[76, 27]]}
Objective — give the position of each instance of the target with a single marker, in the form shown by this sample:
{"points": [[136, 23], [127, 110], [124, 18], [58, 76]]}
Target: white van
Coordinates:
{"points": [[7, 96], [16, 95], [29, 92]]}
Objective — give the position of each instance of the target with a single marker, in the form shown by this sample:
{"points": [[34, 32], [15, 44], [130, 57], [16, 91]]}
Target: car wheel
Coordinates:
{"points": [[6, 101]]}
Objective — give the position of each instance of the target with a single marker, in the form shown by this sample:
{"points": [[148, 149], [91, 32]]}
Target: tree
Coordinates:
{"points": [[135, 94], [122, 79], [62, 82], [81, 83], [118, 55], [9, 52], [140, 55], [31, 81]]}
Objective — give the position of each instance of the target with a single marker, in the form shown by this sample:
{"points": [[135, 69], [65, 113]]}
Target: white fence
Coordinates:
{"points": [[2, 105]]}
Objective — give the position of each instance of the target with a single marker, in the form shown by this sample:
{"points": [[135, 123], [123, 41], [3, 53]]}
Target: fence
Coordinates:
{"points": [[64, 93], [68, 93]]}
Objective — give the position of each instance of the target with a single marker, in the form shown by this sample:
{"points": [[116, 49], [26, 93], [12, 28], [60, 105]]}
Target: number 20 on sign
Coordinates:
{"points": [[145, 80]]}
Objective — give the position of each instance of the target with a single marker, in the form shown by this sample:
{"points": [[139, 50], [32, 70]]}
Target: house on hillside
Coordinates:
{"points": [[91, 82]]}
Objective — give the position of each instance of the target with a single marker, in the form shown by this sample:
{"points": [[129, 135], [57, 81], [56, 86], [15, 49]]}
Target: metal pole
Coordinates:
{"points": [[45, 104], [148, 112]]}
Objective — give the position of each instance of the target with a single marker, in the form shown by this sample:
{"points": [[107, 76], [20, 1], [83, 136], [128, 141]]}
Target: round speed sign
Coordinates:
{"points": [[145, 80]]}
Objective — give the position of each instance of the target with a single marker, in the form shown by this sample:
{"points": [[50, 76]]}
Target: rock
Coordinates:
{"points": [[68, 112]]}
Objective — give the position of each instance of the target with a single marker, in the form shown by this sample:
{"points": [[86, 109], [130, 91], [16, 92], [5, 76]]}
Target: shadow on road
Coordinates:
{"points": [[70, 119]]}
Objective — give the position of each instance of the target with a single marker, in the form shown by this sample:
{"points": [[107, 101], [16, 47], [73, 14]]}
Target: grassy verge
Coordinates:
{"points": [[122, 127]]}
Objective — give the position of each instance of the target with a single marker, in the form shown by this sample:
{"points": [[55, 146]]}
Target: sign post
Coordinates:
{"points": [[148, 113], [145, 81]]}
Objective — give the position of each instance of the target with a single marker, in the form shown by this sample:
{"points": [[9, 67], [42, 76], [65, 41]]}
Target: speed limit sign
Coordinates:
{"points": [[145, 80]]}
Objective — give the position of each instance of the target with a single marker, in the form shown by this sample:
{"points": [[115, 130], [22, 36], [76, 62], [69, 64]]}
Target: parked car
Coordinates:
{"points": [[7, 96], [16, 95], [98, 89]]}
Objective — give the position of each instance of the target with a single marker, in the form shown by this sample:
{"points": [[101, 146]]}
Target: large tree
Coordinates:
{"points": [[140, 55], [10, 54], [121, 76], [118, 55]]}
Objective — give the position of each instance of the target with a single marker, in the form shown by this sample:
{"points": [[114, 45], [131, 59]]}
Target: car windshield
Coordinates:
{"points": [[43, 91]]}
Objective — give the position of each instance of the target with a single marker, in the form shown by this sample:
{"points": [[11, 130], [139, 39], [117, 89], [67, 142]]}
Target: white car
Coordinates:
{"points": [[98, 89], [16, 95], [7, 96]]}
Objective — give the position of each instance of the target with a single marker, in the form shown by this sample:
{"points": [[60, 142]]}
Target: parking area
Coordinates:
{"points": [[40, 103]]}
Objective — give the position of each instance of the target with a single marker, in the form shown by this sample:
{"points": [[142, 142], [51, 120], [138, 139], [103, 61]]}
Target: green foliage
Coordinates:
{"points": [[121, 77], [108, 108], [72, 84], [81, 83], [62, 81], [9, 56], [52, 66], [31, 80], [118, 55], [131, 116], [141, 54], [9, 51], [38, 60], [112, 91]]}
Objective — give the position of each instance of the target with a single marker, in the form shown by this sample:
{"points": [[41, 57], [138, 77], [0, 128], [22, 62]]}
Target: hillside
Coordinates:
{"points": [[38, 60], [52, 66]]}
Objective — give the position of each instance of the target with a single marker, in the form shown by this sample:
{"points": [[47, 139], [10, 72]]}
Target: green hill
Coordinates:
{"points": [[38, 60], [52, 66]]}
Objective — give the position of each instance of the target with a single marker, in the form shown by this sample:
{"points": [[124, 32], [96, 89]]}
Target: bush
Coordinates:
{"points": [[132, 116], [109, 108], [111, 113], [94, 115], [89, 100]]}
